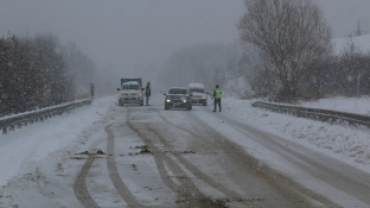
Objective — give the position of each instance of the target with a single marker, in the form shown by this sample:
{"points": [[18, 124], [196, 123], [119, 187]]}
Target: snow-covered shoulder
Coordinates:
{"points": [[39, 141], [346, 143], [357, 105]]}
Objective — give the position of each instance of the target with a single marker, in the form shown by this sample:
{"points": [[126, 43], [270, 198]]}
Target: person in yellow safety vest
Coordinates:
{"points": [[217, 94]]}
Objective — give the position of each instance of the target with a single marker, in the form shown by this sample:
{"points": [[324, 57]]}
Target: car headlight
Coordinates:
{"points": [[184, 101], [168, 100], [204, 97], [119, 95]]}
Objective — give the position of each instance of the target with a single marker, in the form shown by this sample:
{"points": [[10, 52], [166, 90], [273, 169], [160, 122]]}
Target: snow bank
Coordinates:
{"points": [[36, 142], [346, 143], [358, 105]]}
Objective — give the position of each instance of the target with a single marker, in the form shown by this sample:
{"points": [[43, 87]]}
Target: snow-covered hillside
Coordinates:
{"points": [[361, 43]]}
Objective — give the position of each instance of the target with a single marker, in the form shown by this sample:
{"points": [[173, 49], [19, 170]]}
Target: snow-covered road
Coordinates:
{"points": [[241, 157]]}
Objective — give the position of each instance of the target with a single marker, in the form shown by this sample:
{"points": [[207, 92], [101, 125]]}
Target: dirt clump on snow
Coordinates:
{"points": [[143, 149], [83, 153]]}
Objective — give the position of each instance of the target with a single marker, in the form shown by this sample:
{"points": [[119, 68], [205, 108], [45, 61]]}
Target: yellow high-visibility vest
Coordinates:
{"points": [[218, 93]]}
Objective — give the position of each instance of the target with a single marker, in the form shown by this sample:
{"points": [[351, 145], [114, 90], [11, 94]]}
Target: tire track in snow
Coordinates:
{"points": [[79, 186], [338, 174], [233, 195], [114, 175], [187, 191], [251, 166]]}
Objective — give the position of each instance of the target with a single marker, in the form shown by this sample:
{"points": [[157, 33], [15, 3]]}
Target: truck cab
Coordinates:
{"points": [[131, 92]]}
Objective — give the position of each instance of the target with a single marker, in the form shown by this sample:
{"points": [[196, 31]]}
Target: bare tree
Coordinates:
{"points": [[290, 34], [358, 29]]}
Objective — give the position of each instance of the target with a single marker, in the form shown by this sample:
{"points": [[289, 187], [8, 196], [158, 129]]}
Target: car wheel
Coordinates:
{"points": [[205, 103], [166, 108]]}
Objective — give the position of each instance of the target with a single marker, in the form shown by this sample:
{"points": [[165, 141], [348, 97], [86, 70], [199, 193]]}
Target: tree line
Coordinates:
{"points": [[294, 53], [206, 63], [38, 72], [346, 74], [286, 54]]}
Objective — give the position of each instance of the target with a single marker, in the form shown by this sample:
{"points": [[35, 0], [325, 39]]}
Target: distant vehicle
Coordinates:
{"points": [[178, 97], [131, 92], [199, 95]]}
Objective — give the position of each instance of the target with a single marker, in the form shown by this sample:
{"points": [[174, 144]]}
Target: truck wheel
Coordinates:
{"points": [[189, 107]]}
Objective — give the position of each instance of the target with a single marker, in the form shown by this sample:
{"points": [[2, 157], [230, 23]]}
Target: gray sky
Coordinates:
{"points": [[343, 15], [131, 34], [125, 34]]}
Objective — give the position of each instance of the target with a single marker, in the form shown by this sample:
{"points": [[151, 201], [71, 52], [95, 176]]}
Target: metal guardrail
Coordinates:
{"points": [[316, 113], [22, 119]]}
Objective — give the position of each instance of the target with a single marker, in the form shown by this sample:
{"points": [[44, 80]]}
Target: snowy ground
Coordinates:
{"points": [[347, 143], [50, 142]]}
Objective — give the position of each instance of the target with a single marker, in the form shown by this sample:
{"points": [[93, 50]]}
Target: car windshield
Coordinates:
{"points": [[177, 91], [196, 90]]}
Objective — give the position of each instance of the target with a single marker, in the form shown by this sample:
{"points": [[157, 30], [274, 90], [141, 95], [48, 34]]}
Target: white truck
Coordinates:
{"points": [[199, 95], [131, 92]]}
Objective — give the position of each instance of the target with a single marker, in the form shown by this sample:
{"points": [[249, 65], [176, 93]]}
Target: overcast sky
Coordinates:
{"points": [[129, 34]]}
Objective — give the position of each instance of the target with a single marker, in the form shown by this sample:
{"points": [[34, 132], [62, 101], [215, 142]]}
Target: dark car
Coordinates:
{"points": [[178, 97]]}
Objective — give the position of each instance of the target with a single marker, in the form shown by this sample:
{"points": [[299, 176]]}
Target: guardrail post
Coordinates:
{"points": [[92, 91]]}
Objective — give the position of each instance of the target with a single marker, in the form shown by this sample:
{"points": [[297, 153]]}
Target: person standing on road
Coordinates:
{"points": [[217, 94], [148, 92]]}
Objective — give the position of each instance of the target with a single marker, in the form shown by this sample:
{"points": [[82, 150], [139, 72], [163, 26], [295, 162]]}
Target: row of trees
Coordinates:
{"points": [[293, 56], [210, 64], [286, 55], [36, 73], [201, 63], [347, 74]]}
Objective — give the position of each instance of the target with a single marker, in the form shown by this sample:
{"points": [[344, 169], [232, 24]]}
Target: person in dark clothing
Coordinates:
{"points": [[148, 92], [217, 94]]}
